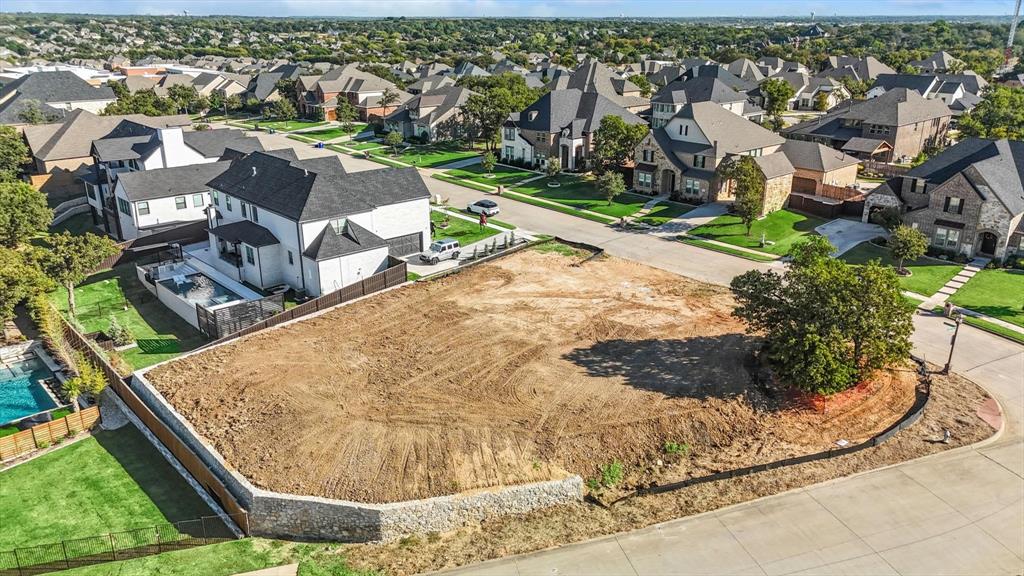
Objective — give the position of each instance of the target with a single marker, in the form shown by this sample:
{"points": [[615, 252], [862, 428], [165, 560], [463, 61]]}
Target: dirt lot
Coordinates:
{"points": [[522, 369]]}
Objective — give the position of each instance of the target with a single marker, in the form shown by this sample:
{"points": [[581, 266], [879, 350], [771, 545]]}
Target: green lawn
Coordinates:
{"points": [[160, 333], [927, 274], [370, 145], [112, 481], [664, 212], [77, 224], [498, 223], [997, 293], [460, 182], [429, 156], [464, 231], [726, 250], [526, 199], [332, 132], [581, 193], [502, 175], [782, 227], [286, 125]]}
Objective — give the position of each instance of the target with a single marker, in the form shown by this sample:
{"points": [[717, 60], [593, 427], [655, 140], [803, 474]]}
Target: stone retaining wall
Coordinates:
{"points": [[278, 515]]}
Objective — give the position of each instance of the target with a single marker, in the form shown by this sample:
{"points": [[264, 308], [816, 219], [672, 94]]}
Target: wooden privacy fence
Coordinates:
{"points": [[188, 459], [47, 433], [393, 276], [114, 546], [887, 170]]}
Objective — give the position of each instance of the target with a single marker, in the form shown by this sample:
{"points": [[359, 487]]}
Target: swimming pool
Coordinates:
{"points": [[199, 288], [21, 391]]}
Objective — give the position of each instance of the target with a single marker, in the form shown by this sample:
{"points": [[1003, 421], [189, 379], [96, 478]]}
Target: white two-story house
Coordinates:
{"points": [[277, 220], [133, 147], [150, 201]]}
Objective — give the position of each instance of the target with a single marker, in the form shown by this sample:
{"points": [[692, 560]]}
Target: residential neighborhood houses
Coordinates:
{"points": [[391, 281]]}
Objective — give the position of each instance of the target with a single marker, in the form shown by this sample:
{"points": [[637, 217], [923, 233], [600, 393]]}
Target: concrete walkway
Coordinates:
{"points": [[959, 512], [460, 163], [961, 278], [286, 570], [697, 217], [847, 234]]}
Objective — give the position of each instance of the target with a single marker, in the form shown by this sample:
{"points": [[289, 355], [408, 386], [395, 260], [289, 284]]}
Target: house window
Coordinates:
{"points": [[124, 207], [699, 161], [692, 186], [954, 205], [946, 237], [227, 203], [216, 197], [255, 214], [198, 200], [291, 259], [249, 256], [143, 208], [878, 129], [133, 164], [644, 179], [508, 151], [648, 155], [91, 191], [684, 129], [179, 202], [338, 224], [510, 133], [244, 214]]}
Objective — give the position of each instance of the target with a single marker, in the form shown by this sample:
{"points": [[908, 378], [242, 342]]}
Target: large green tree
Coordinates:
{"points": [[827, 326], [145, 102], [1000, 114], [615, 141], [13, 153], [610, 184], [906, 243], [747, 181], [20, 279], [495, 98], [69, 259], [23, 213], [777, 93]]}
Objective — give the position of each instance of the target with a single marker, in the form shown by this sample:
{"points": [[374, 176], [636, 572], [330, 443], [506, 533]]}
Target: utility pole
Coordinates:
{"points": [[952, 344]]}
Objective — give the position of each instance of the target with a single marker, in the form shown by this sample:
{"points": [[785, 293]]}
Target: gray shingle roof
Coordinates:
{"points": [[168, 182], [920, 83], [245, 231], [700, 89], [992, 166], [562, 108], [125, 147], [774, 165], [212, 143], [815, 156], [734, 134], [43, 87], [315, 188], [73, 138], [353, 238]]}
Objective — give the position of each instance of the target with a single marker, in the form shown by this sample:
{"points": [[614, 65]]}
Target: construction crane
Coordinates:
{"points": [[1013, 32]]}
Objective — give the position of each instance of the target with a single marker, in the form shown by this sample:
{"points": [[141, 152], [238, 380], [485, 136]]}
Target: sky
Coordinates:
{"points": [[530, 8]]}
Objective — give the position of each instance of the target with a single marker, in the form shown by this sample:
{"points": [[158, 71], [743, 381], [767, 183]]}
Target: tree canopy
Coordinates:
{"points": [[144, 102], [827, 326], [777, 93], [23, 213], [615, 141], [70, 258], [1000, 114], [748, 185], [13, 153], [20, 279]]}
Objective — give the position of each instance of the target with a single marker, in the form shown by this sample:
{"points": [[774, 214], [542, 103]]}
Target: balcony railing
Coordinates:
{"points": [[233, 258]]}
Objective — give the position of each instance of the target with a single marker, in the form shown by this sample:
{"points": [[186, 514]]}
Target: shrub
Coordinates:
{"points": [[119, 333], [43, 444], [611, 473], [674, 448]]}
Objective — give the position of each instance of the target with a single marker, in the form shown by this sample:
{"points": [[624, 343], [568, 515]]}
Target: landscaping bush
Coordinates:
{"points": [[120, 334]]}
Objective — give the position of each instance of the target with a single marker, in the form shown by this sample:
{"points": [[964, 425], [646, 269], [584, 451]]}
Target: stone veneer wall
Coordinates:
{"points": [[279, 515]]}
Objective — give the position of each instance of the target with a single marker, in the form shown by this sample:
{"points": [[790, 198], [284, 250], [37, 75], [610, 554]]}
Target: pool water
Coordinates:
{"points": [[21, 391], [200, 289]]}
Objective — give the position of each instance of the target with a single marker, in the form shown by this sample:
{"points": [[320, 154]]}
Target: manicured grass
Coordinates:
{"points": [[112, 481], [502, 175], [301, 138], [286, 125], [77, 224], [782, 227], [412, 276], [911, 302], [994, 328], [582, 194], [161, 334], [381, 160], [429, 156], [997, 293], [363, 145], [490, 220], [464, 231], [927, 274], [333, 132], [664, 212], [460, 182], [726, 250], [560, 208]]}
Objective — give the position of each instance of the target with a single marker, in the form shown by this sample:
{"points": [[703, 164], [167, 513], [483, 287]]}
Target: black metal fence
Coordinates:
{"points": [[220, 322], [124, 545]]}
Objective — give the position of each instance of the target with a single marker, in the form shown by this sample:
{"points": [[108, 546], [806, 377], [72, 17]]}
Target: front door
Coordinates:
{"points": [[988, 243], [668, 181], [565, 158]]}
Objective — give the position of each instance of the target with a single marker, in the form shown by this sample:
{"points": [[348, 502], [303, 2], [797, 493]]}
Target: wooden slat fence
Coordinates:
{"points": [[388, 278], [47, 433], [188, 459], [886, 170]]}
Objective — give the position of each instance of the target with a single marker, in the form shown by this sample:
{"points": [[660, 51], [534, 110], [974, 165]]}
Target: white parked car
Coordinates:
{"points": [[489, 207], [442, 249]]}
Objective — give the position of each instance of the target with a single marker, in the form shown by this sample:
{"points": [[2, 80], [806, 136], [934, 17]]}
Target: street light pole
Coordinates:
{"points": [[952, 344]]}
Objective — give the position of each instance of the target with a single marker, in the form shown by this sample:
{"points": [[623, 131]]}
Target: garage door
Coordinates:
{"points": [[405, 245]]}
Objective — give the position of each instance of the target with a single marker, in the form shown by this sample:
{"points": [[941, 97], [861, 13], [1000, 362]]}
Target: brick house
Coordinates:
{"points": [[817, 166], [680, 158], [904, 119], [319, 95], [966, 200]]}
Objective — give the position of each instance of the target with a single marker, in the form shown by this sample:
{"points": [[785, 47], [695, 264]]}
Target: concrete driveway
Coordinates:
{"points": [[845, 234]]}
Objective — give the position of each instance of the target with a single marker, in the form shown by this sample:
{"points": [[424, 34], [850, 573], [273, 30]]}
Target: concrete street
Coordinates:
{"points": [[959, 512]]}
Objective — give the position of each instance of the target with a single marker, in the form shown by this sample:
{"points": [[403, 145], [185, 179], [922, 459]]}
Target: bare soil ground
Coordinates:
{"points": [[523, 369]]}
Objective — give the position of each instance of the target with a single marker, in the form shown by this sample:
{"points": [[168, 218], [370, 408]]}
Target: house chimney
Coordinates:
{"points": [[253, 170]]}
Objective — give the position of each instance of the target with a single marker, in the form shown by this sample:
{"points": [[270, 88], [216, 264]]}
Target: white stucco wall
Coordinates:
{"points": [[337, 273]]}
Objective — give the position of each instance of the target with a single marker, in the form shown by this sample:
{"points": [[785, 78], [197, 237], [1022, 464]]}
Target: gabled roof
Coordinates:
{"points": [[716, 71], [994, 167], [45, 87], [571, 108], [264, 84], [774, 165], [864, 69], [125, 147], [700, 89], [169, 182], [897, 107], [432, 105], [350, 78], [940, 60], [745, 69], [816, 157], [315, 188], [245, 231], [734, 134], [212, 143], [353, 238], [430, 83], [593, 76], [920, 83]]}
